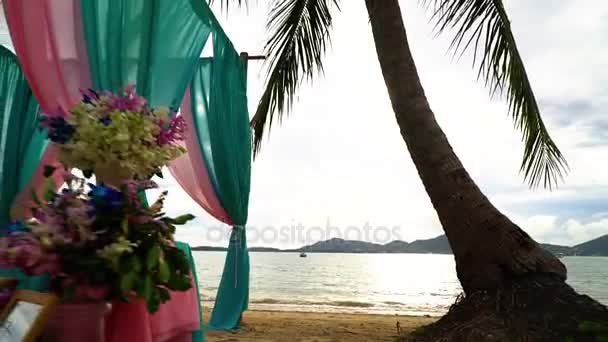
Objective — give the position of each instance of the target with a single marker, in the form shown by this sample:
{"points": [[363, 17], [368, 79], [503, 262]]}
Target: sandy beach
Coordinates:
{"points": [[318, 327]]}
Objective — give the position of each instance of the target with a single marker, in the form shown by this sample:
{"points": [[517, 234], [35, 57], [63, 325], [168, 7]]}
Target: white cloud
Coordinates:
{"points": [[582, 232]]}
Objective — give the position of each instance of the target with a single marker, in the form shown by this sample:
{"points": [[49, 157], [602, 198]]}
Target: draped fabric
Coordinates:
{"points": [[220, 142], [47, 40], [154, 44], [21, 141], [190, 170], [21, 146]]}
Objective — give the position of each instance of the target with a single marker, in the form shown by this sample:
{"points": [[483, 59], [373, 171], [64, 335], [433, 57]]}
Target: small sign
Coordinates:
{"points": [[24, 317]]}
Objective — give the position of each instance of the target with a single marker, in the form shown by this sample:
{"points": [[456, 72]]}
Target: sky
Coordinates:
{"points": [[337, 166]]}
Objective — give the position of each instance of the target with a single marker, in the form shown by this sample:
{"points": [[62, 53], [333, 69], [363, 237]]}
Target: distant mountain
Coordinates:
{"points": [[558, 250], [438, 245], [336, 245], [595, 247], [224, 249]]}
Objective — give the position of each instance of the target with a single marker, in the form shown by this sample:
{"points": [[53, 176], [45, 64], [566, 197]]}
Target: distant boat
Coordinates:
{"points": [[303, 255]]}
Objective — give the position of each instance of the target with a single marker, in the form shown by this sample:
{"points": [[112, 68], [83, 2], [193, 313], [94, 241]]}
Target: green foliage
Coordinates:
{"points": [[126, 147], [299, 35], [104, 242], [484, 26], [299, 38]]}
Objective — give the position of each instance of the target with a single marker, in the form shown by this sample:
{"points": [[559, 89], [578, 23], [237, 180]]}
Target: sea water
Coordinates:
{"points": [[415, 284]]}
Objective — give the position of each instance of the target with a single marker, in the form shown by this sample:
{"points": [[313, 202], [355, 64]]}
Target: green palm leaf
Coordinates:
{"points": [[300, 36], [483, 25]]}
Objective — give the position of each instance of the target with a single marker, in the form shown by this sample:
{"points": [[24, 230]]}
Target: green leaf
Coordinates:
{"points": [[127, 282], [178, 260], [484, 27], [164, 294], [140, 287], [183, 219], [164, 273], [49, 190], [152, 259], [295, 50], [153, 302], [130, 263], [148, 288], [180, 282], [125, 225], [136, 263]]}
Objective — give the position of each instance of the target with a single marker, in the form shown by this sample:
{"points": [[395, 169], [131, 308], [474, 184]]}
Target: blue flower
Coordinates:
{"points": [[104, 198], [13, 228]]}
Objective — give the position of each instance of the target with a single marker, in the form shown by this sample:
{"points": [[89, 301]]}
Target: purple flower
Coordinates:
{"points": [[172, 131], [129, 101], [59, 130], [89, 96], [25, 252]]}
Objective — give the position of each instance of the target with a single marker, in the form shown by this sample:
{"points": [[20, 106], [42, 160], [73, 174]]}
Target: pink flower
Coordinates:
{"points": [[25, 252], [172, 131], [129, 101]]}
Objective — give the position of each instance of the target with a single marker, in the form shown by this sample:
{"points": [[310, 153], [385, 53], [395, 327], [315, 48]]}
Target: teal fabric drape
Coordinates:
{"points": [[153, 44], [21, 141], [219, 111], [22, 144], [184, 247]]}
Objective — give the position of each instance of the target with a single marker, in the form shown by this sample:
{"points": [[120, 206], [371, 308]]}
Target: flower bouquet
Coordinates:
{"points": [[116, 136], [100, 243]]}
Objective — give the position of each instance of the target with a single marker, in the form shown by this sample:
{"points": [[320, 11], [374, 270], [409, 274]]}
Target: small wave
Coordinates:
{"points": [[267, 301], [392, 303], [352, 304], [344, 303]]}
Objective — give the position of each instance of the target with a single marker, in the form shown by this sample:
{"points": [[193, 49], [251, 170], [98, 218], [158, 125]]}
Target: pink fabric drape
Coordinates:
{"points": [[133, 322], [191, 172], [51, 52], [48, 39]]}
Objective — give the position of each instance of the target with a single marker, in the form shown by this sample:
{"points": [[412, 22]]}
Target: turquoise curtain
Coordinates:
{"points": [[22, 144], [184, 247], [219, 111], [154, 44]]}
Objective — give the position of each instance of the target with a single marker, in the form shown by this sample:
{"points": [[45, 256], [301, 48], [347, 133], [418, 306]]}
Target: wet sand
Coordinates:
{"points": [[318, 327]]}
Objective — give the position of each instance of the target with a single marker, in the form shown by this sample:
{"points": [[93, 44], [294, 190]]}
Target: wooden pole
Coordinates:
{"points": [[246, 58]]}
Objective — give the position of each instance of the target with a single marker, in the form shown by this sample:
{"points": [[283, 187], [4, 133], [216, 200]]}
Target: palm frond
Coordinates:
{"points": [[298, 41], [484, 26]]}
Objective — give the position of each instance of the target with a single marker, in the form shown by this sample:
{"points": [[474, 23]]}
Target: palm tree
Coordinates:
{"points": [[501, 268]]}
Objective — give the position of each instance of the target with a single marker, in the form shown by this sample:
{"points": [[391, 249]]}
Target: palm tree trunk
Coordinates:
{"points": [[489, 249], [514, 289]]}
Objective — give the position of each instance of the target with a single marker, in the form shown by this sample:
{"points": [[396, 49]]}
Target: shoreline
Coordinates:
{"points": [[268, 325], [301, 309]]}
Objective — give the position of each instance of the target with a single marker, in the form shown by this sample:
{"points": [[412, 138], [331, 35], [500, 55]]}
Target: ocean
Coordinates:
{"points": [[412, 284]]}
